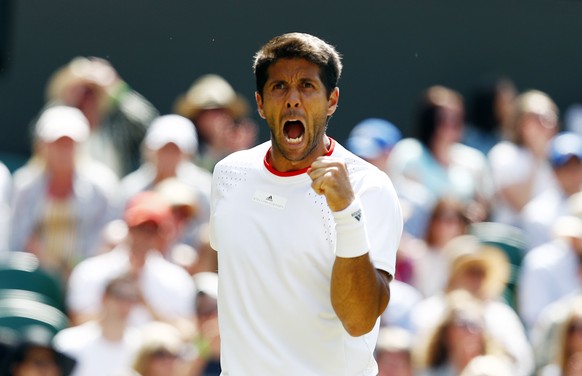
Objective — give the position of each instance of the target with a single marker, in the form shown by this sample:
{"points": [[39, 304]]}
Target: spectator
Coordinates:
{"points": [[161, 351], [539, 214], [221, 118], [168, 148], [207, 341], [372, 139], [394, 352], [490, 106], [106, 345], [166, 290], [61, 201], [403, 301], [482, 271], [436, 158], [27, 329], [118, 116], [550, 271], [459, 336], [519, 164], [448, 219], [566, 344]]}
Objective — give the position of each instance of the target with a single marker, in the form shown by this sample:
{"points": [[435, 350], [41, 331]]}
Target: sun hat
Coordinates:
{"points": [[563, 147], [179, 195], [394, 339], [62, 121], [211, 91], [465, 250], [174, 129], [148, 206], [207, 283], [26, 323]]}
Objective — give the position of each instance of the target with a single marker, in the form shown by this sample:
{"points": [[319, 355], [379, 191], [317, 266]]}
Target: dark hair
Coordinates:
{"points": [[299, 45], [482, 108], [428, 107]]}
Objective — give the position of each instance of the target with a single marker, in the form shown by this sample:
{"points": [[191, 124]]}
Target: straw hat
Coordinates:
{"points": [[467, 249], [394, 339], [211, 91]]}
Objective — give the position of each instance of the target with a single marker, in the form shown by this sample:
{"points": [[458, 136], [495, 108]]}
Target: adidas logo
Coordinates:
{"points": [[357, 215], [269, 198]]}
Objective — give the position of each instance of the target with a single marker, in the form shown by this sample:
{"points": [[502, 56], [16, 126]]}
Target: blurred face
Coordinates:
{"points": [[38, 361], [575, 335], [296, 107], [538, 129], [145, 237], [213, 124], [60, 154], [471, 278], [446, 225], [394, 363], [119, 303], [162, 363], [465, 336], [570, 175], [167, 159], [450, 124]]}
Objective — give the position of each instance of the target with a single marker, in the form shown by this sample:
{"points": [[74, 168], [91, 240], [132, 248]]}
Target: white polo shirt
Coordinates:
{"points": [[275, 239]]}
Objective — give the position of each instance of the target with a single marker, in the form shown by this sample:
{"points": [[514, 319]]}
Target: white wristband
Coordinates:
{"points": [[350, 226]]}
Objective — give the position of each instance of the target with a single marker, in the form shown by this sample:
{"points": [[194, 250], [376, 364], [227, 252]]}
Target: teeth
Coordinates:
{"points": [[294, 140]]}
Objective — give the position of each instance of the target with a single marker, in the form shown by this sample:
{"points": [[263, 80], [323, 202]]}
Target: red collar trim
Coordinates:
{"points": [[296, 172]]}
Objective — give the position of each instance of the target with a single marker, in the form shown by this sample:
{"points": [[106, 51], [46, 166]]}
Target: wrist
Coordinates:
{"points": [[351, 235]]}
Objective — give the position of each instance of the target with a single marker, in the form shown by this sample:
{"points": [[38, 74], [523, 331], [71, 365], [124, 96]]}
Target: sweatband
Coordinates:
{"points": [[350, 227]]}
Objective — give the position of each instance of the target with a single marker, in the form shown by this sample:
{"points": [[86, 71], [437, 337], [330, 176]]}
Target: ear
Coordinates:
{"points": [[333, 101], [259, 104]]}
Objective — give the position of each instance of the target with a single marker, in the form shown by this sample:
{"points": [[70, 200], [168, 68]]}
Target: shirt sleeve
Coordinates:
{"points": [[383, 223]]}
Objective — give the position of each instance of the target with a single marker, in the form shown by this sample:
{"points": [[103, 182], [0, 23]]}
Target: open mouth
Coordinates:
{"points": [[293, 131]]}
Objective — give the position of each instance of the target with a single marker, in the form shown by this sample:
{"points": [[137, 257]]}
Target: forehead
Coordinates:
{"points": [[292, 68]]}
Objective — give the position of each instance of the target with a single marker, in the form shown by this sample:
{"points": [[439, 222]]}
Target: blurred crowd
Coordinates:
{"points": [[106, 268]]}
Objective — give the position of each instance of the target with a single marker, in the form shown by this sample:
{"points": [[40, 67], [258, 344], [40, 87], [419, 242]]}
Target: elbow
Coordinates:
{"points": [[357, 328]]}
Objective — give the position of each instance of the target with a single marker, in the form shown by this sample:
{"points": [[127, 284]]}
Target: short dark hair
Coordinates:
{"points": [[299, 45]]}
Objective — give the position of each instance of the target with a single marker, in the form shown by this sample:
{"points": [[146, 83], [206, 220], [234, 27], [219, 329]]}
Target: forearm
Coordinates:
{"points": [[359, 293]]}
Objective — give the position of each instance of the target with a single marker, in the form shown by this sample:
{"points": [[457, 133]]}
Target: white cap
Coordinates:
{"points": [[207, 282], [62, 121], [175, 129]]}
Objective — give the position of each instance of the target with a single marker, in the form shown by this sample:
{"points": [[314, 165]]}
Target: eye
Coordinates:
{"points": [[278, 86], [308, 85]]}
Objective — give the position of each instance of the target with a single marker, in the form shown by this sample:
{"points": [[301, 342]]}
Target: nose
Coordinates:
{"points": [[293, 98]]}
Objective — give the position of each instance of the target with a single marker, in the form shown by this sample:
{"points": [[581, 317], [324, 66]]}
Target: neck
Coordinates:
{"points": [[60, 185], [440, 151], [112, 329]]}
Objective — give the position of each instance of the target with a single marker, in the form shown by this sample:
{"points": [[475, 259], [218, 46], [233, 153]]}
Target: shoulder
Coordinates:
{"points": [[27, 175], [504, 150], [252, 156], [407, 149], [468, 154], [360, 169], [546, 256], [75, 337], [238, 164]]}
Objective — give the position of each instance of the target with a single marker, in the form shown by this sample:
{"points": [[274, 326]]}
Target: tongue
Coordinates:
{"points": [[294, 129]]}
